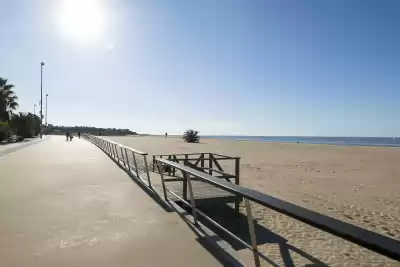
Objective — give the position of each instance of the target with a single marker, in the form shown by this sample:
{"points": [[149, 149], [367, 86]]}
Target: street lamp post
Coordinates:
{"points": [[46, 109], [34, 109], [41, 99]]}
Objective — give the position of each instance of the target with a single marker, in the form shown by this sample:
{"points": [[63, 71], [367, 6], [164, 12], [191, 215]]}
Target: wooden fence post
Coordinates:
{"points": [[237, 179], [210, 164]]}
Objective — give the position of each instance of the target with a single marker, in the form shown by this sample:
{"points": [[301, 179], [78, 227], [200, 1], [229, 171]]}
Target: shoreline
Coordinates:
{"points": [[232, 138]]}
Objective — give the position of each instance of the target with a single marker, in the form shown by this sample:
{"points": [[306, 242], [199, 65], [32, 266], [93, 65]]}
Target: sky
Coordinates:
{"points": [[258, 67]]}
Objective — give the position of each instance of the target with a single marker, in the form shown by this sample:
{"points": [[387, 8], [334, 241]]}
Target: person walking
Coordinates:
{"points": [[79, 135], [67, 136]]}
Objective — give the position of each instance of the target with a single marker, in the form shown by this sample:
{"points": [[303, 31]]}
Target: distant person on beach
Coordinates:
{"points": [[67, 136], [79, 135], [70, 137], [166, 135]]}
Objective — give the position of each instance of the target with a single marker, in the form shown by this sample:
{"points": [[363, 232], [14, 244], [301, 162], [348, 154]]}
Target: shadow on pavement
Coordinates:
{"points": [[237, 224]]}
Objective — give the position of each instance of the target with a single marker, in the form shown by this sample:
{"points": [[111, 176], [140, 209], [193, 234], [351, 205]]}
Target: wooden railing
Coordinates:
{"points": [[134, 161], [211, 163], [370, 240]]}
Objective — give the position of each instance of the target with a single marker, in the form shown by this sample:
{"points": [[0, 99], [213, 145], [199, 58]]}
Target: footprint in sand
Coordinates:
{"points": [[348, 216]]}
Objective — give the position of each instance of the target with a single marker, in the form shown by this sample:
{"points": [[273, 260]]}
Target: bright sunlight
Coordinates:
{"points": [[82, 20]]}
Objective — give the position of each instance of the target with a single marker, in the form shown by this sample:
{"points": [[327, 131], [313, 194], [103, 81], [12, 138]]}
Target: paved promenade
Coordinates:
{"points": [[67, 204]]}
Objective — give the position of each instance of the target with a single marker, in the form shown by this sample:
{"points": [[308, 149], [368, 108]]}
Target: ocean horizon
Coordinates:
{"points": [[344, 141]]}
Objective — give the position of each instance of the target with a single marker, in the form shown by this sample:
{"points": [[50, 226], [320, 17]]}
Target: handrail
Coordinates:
{"points": [[373, 241], [123, 146], [199, 153], [111, 148]]}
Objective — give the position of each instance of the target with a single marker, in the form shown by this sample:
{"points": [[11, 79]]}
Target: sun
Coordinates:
{"points": [[82, 20]]}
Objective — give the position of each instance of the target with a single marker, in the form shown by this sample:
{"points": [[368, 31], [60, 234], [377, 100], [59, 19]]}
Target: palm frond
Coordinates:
{"points": [[13, 106], [3, 81], [8, 87]]}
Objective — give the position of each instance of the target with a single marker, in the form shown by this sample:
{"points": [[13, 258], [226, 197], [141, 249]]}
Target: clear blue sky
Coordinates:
{"points": [[256, 67]]}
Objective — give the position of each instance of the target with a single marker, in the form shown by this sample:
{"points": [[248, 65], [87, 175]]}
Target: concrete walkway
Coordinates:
{"points": [[11, 148], [67, 204]]}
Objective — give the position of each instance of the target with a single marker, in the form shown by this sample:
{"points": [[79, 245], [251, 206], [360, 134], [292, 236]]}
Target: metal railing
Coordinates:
{"points": [[381, 244], [133, 160]]}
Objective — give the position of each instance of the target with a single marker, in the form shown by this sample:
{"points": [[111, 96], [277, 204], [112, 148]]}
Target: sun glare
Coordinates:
{"points": [[82, 20]]}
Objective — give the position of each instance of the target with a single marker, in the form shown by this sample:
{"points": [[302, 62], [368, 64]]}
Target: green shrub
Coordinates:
{"points": [[25, 124], [3, 130], [191, 136]]}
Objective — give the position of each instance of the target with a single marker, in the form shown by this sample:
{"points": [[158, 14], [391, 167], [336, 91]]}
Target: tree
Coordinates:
{"points": [[8, 100], [3, 130], [25, 124], [191, 136]]}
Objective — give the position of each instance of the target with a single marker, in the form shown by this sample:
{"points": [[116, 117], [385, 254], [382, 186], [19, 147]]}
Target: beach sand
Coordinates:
{"points": [[359, 185]]}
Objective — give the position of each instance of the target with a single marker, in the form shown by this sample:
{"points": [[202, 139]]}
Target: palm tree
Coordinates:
{"points": [[191, 136], [8, 100]]}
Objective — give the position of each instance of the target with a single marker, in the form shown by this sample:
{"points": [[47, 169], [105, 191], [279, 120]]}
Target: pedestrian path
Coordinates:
{"points": [[67, 204], [11, 148]]}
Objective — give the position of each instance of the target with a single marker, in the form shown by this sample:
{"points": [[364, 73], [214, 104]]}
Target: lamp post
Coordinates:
{"points": [[34, 109], [41, 99], [46, 109]]}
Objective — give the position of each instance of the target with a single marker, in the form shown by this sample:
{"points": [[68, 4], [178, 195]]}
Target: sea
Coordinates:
{"points": [[345, 141]]}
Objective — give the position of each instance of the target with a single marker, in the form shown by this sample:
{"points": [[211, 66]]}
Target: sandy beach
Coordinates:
{"points": [[359, 185]]}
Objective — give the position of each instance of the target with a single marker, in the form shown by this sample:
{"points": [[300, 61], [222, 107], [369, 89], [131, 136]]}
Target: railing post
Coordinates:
{"points": [[112, 149], [174, 170], [210, 164], [147, 170], [134, 161], [252, 233], [184, 184], [154, 163], [237, 177], [127, 160], [194, 213], [122, 155], [160, 167], [169, 167], [115, 151]]}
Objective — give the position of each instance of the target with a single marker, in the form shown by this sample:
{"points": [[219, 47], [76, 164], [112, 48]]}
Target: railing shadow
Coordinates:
{"points": [[209, 242], [237, 223]]}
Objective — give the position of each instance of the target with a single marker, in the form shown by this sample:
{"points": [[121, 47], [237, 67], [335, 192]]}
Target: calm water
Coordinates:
{"points": [[347, 141]]}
